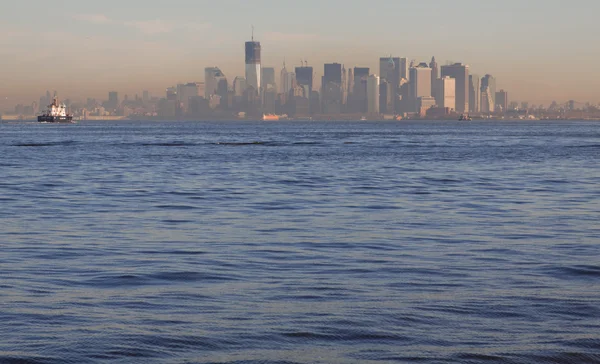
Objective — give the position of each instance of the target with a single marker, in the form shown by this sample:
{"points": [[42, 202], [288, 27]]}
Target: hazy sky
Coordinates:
{"points": [[539, 50]]}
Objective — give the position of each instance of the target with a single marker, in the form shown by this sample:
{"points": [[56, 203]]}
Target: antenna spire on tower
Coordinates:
{"points": [[253, 33]]}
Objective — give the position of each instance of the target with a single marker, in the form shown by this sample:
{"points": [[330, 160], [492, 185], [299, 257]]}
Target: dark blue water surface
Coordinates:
{"points": [[247, 242]]}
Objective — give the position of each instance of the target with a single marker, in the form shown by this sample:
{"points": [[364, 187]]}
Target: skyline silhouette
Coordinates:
{"points": [[541, 51]]}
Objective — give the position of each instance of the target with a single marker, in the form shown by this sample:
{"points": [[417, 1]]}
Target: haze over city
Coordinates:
{"points": [[539, 50]]}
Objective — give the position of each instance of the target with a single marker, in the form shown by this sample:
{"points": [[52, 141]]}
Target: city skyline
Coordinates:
{"points": [[93, 50]]}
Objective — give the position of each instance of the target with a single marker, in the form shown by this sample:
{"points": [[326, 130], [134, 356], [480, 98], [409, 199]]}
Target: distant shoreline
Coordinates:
{"points": [[292, 120]]}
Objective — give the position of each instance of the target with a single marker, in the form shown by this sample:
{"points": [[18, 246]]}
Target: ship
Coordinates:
{"points": [[464, 117], [270, 117], [56, 113]]}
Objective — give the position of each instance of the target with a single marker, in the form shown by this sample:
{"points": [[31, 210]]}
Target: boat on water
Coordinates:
{"points": [[56, 113], [270, 117], [464, 117]]}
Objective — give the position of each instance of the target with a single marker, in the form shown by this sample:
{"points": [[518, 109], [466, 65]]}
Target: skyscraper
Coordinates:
{"points": [[267, 77], [359, 92], [502, 101], [287, 81], [350, 87], [488, 94], [420, 83], [253, 65], [390, 69], [185, 92], [332, 88], [460, 72], [404, 74], [435, 74], [113, 100], [333, 73], [304, 78], [373, 95], [445, 91], [212, 76], [384, 92], [239, 86], [474, 93]]}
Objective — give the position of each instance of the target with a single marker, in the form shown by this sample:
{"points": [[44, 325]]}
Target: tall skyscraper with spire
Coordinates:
{"points": [[435, 74], [287, 81], [253, 64]]}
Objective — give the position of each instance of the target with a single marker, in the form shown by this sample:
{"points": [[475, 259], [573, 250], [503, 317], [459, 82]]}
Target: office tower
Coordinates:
{"points": [[333, 73], [460, 72], [284, 80], [350, 88], [404, 74], [425, 103], [268, 77], [291, 80], [269, 98], [304, 78], [253, 65], [171, 94], [420, 84], [332, 88], [474, 93], [373, 94], [384, 96], [435, 74], [390, 70], [223, 92], [488, 94], [403, 104], [113, 100], [212, 76], [239, 86], [185, 92], [501, 101], [282, 75], [445, 91], [359, 93], [145, 96], [287, 82], [239, 89], [344, 88]]}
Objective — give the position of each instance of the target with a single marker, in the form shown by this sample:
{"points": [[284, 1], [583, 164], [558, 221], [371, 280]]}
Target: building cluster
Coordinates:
{"points": [[398, 89]]}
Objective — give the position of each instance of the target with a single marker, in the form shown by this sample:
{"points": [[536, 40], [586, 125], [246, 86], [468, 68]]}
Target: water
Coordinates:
{"points": [[430, 242]]}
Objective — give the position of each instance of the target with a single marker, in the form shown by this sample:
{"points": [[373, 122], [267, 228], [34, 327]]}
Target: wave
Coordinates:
{"points": [[132, 280], [45, 144], [576, 271]]}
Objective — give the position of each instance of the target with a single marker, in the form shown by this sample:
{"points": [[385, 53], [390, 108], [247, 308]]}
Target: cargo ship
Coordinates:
{"points": [[56, 113]]}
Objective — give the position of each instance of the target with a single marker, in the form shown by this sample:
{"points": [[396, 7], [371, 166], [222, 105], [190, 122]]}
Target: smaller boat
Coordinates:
{"points": [[270, 117], [464, 117], [56, 113]]}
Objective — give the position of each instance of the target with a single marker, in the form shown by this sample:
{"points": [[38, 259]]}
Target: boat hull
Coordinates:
{"points": [[55, 119]]}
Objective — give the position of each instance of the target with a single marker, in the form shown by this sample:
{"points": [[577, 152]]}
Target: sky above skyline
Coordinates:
{"points": [[538, 50]]}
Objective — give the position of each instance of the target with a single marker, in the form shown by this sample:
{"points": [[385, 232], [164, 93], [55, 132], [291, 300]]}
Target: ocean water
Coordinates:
{"points": [[249, 242]]}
